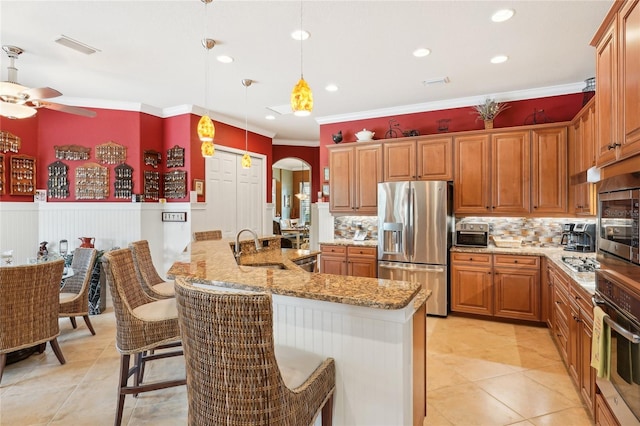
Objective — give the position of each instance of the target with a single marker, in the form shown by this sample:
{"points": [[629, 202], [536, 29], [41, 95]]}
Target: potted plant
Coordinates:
{"points": [[488, 111]]}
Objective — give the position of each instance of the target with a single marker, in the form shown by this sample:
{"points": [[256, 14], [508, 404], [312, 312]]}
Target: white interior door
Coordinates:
{"points": [[235, 196]]}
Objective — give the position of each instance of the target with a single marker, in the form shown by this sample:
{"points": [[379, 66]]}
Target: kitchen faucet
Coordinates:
{"points": [[237, 250]]}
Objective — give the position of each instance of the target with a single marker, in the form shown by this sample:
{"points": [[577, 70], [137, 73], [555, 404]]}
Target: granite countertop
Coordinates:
{"points": [[586, 279], [212, 262], [350, 242]]}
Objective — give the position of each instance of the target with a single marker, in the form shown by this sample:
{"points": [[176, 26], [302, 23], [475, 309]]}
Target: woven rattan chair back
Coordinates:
{"points": [[29, 307], [215, 234], [147, 274], [135, 336], [82, 264], [127, 294], [232, 373]]}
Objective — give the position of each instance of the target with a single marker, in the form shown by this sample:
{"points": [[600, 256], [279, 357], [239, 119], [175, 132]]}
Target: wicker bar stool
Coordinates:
{"points": [[151, 282], [29, 308], [235, 375], [207, 235], [144, 325], [74, 295]]}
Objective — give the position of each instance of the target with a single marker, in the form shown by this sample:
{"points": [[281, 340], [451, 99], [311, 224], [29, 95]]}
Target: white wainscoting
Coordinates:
{"points": [[19, 230]]}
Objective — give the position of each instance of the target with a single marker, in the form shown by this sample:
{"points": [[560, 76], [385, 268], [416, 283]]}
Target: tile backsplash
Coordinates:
{"points": [[536, 231], [346, 226]]}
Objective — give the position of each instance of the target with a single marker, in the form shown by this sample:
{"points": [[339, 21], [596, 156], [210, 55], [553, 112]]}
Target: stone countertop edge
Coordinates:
{"points": [[213, 263], [350, 242], [585, 279]]}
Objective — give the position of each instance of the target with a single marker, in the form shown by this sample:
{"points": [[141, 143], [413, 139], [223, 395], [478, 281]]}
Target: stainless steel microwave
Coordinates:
{"points": [[618, 220]]}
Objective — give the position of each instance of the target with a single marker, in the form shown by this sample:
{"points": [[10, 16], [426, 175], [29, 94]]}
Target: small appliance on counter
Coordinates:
{"points": [[580, 237], [472, 234]]}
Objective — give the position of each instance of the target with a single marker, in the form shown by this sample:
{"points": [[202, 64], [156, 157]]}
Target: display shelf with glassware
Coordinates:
{"points": [[152, 158], [9, 142], [72, 152], [23, 175], [175, 157], [123, 184], [58, 182], [92, 182], [111, 153], [175, 184], [151, 185]]}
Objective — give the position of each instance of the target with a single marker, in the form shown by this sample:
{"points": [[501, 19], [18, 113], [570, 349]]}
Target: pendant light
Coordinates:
{"points": [[246, 158], [206, 130], [301, 96]]}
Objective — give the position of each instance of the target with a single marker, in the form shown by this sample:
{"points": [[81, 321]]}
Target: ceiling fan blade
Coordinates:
{"points": [[41, 93], [68, 109], [10, 110], [11, 89]]}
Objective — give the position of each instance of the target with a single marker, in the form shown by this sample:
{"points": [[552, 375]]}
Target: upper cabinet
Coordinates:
{"points": [[354, 172], [582, 157], [511, 172], [618, 95], [423, 159]]}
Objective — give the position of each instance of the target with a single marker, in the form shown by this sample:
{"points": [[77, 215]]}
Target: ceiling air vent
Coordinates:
{"points": [[76, 45]]}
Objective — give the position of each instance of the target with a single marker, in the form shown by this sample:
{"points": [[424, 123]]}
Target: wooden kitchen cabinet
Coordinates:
{"points": [[499, 285], [617, 74], [354, 174], [516, 285], [471, 283], [603, 415], [561, 312], [355, 261], [333, 259], [549, 182], [492, 173], [362, 261], [423, 159]]}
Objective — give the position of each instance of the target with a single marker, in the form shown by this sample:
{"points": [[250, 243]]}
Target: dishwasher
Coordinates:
{"points": [[308, 264]]}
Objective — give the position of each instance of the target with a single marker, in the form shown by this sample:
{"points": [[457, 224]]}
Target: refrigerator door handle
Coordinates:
{"points": [[410, 218], [400, 267], [408, 252]]}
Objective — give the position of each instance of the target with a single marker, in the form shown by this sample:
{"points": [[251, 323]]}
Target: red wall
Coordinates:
{"points": [[557, 109], [309, 155], [27, 130]]}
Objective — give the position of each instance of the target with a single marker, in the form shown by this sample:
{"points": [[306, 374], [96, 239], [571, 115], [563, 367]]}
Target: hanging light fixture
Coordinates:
{"points": [[301, 195], [246, 158], [301, 96], [206, 130]]}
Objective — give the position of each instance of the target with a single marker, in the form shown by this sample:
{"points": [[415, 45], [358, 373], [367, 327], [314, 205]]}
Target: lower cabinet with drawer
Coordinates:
{"points": [[499, 285], [359, 261]]}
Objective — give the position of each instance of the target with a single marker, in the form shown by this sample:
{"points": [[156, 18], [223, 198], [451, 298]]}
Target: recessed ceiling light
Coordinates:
{"points": [[499, 59], [503, 15], [331, 88], [421, 52], [76, 45], [270, 117], [300, 35], [224, 59]]}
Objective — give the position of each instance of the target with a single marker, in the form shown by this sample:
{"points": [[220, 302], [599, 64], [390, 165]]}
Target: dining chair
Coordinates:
{"points": [[236, 375], [207, 235], [29, 308], [74, 294], [277, 230], [151, 282], [145, 327]]}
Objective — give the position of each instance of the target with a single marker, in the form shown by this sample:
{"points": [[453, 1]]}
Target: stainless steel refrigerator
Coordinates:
{"points": [[414, 236]]}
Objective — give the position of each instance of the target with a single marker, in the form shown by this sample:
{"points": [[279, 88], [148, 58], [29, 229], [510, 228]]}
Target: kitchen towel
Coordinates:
{"points": [[601, 344]]}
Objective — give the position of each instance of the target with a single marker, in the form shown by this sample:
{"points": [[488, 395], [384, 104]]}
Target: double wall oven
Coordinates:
{"points": [[618, 292]]}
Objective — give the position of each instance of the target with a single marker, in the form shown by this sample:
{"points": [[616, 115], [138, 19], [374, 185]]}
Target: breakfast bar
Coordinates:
{"points": [[375, 329]]}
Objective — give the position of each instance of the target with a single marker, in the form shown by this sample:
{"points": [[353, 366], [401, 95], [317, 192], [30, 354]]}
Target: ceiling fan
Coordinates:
{"points": [[17, 101]]}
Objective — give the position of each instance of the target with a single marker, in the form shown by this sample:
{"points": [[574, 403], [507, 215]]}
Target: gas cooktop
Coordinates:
{"points": [[581, 264]]}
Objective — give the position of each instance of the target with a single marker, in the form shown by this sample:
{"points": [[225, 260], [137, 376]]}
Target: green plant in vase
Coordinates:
{"points": [[488, 111]]}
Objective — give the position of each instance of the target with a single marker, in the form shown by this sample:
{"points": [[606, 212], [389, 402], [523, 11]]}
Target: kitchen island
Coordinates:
{"points": [[374, 329]]}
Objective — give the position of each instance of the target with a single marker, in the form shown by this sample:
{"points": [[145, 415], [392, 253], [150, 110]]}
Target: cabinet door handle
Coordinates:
{"points": [[535, 207], [515, 261]]}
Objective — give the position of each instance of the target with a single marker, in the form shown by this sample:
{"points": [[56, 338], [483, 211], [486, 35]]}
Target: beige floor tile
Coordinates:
{"points": [[556, 377], [434, 418], [468, 404], [575, 416], [38, 406], [524, 395], [168, 414]]}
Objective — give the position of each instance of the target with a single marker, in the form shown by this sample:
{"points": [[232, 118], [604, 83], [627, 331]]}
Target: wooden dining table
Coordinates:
{"points": [[298, 231]]}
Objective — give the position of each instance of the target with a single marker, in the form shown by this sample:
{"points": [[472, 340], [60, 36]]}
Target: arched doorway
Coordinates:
{"points": [[291, 190]]}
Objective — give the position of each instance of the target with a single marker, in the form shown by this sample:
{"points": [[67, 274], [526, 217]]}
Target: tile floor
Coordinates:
{"points": [[479, 373]]}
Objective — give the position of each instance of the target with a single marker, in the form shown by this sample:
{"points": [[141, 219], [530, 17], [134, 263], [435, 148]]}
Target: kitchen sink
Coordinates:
{"points": [[268, 266]]}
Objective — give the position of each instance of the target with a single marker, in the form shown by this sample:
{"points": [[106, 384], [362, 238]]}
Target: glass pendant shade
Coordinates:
{"points": [[206, 130], [207, 149], [301, 99], [246, 161]]}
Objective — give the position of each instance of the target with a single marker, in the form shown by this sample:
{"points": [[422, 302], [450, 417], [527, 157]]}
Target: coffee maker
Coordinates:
{"points": [[579, 237]]}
